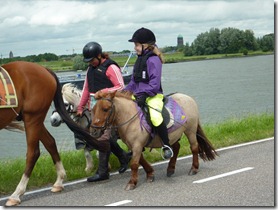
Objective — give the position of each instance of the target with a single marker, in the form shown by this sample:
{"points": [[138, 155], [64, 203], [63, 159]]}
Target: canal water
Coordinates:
{"points": [[222, 88]]}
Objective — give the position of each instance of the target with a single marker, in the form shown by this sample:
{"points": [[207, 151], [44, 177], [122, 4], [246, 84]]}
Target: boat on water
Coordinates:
{"points": [[79, 78]]}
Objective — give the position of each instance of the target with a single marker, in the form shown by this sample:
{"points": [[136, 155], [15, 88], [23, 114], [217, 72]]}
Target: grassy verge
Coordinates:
{"points": [[229, 132]]}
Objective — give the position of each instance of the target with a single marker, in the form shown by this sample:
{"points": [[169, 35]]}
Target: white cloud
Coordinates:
{"points": [[33, 27]]}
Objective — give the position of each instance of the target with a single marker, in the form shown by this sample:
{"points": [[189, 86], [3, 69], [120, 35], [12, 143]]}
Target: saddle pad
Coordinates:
{"points": [[8, 97], [177, 117]]}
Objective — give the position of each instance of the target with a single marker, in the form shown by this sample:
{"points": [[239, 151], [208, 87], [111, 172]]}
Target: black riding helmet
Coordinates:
{"points": [[91, 50], [143, 36]]}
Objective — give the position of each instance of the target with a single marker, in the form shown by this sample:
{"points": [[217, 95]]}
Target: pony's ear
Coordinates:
{"points": [[112, 94], [99, 95]]}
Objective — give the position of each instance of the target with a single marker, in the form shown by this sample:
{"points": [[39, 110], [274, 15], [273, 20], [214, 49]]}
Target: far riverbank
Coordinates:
{"points": [[67, 65]]}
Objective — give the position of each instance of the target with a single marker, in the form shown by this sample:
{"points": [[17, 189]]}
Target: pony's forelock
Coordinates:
{"points": [[71, 93]]}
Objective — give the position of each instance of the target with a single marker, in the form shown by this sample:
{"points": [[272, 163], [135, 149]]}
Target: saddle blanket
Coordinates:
{"points": [[8, 97], [176, 119]]}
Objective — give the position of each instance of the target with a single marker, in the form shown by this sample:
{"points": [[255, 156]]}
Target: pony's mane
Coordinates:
{"points": [[124, 94], [71, 93]]}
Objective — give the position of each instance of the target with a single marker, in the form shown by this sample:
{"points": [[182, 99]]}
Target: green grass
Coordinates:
{"points": [[227, 133]]}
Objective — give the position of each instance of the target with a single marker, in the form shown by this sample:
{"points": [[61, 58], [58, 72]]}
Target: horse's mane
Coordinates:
{"points": [[71, 93], [124, 94]]}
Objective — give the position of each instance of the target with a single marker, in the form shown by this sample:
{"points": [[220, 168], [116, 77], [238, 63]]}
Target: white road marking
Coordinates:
{"points": [[119, 203], [223, 175]]}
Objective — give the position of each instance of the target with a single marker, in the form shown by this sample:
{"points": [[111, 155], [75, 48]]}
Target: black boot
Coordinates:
{"points": [[123, 156], [163, 134], [102, 172]]}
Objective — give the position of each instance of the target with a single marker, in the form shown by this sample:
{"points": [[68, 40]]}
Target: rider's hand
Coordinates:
{"points": [[141, 100], [79, 113]]}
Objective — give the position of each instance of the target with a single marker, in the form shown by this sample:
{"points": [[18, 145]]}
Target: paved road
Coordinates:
{"points": [[241, 176]]}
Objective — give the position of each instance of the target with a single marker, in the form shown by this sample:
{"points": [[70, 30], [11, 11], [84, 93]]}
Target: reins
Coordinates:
{"points": [[122, 124], [78, 118], [112, 113]]}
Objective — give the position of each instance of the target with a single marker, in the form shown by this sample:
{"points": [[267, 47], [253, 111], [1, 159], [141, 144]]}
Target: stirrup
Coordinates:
{"points": [[162, 151]]}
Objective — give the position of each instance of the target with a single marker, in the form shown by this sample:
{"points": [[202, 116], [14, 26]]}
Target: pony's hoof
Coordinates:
{"points": [[130, 187], [57, 189], [150, 179], [193, 172], [170, 173], [12, 202]]}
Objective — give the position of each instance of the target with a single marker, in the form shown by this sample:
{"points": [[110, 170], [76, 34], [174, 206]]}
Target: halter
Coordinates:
{"points": [[112, 115]]}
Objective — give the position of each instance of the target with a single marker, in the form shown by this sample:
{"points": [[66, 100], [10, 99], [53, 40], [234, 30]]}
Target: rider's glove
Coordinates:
{"points": [[141, 100]]}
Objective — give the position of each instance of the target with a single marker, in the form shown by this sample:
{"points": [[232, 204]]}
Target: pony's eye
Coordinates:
{"points": [[66, 105], [106, 110]]}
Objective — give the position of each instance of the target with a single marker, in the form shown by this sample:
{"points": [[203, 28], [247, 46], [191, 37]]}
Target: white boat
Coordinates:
{"points": [[79, 78]]}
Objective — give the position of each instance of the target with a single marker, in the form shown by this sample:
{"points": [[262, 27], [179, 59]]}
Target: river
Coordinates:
{"points": [[222, 88]]}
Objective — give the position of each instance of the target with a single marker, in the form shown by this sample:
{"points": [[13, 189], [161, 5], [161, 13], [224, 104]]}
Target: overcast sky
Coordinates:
{"points": [[63, 27]]}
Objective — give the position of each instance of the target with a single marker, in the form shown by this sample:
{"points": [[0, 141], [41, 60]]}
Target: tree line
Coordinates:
{"points": [[215, 41], [227, 41]]}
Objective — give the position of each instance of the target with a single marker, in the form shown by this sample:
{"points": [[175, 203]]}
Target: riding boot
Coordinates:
{"points": [[163, 134], [79, 143], [102, 171], [124, 157]]}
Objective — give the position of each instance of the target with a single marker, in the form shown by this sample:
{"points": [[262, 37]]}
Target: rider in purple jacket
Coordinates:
{"points": [[146, 82]]}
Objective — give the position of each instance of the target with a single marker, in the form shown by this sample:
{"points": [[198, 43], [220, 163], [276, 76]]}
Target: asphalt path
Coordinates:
{"points": [[243, 175]]}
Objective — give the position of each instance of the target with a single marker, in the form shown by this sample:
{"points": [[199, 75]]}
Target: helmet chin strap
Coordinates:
{"points": [[142, 50], [99, 61]]}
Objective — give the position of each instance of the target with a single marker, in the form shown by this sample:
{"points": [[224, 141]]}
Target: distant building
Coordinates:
{"points": [[180, 41], [11, 55]]}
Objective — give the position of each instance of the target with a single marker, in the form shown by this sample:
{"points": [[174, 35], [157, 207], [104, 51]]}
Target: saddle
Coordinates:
{"points": [[173, 116], [8, 97]]}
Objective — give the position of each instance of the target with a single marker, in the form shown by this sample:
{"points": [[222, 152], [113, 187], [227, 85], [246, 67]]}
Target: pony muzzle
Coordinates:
{"points": [[96, 131]]}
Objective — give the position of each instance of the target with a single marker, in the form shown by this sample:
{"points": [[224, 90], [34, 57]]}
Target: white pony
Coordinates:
{"points": [[71, 97]]}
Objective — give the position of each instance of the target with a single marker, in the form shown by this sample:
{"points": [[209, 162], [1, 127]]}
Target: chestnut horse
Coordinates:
{"points": [[36, 87], [117, 109]]}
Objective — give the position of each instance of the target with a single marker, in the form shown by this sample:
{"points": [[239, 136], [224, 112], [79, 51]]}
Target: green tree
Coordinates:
{"points": [[78, 63], [231, 40], [249, 40], [207, 43], [187, 51], [267, 42]]}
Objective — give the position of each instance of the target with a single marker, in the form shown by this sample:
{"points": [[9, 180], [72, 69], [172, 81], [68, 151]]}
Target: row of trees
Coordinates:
{"points": [[33, 58], [228, 40], [214, 41]]}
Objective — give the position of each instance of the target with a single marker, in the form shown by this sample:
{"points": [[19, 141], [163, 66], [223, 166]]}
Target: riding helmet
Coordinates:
{"points": [[91, 50], [143, 36]]}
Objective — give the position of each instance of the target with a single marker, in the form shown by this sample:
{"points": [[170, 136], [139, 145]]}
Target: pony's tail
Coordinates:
{"points": [[102, 146], [206, 150]]}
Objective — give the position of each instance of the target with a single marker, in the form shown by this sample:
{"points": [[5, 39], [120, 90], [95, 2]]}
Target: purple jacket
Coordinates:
{"points": [[153, 87]]}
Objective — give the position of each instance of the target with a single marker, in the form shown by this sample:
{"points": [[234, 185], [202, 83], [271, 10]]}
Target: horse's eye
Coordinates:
{"points": [[106, 110]]}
